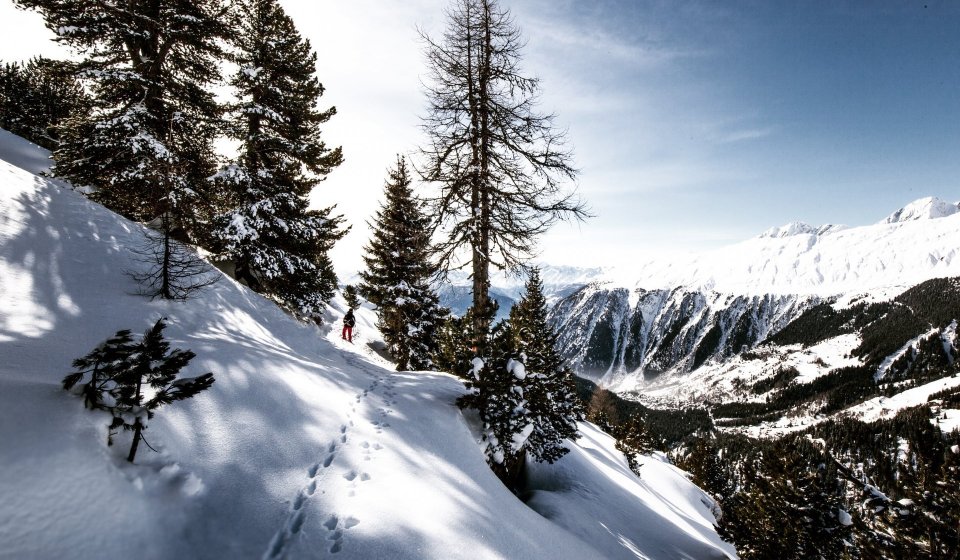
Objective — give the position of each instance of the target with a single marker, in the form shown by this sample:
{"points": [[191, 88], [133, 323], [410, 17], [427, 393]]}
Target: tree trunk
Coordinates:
{"points": [[165, 290], [137, 429]]}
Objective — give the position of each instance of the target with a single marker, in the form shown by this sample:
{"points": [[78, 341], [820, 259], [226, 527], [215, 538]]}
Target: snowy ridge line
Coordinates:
{"points": [[914, 244]]}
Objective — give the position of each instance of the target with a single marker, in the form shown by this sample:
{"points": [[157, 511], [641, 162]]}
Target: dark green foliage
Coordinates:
{"points": [[841, 387], [949, 397], [132, 380], [36, 98], [553, 406], [351, 297], [454, 351], [524, 394], [633, 438], [666, 426], [104, 363], [708, 345], [887, 335], [936, 301], [816, 324], [399, 275], [896, 478], [782, 378], [787, 505], [279, 247], [146, 146]]}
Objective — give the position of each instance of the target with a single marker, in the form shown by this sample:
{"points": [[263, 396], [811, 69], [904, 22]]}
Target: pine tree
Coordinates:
{"points": [[633, 438], [155, 366], [498, 393], [278, 246], [399, 273], [36, 98], [554, 407], [351, 297], [498, 163], [132, 380], [526, 396], [454, 351], [146, 146]]}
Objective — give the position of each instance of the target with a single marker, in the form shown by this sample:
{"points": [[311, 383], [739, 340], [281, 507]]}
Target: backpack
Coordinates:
{"points": [[349, 320]]}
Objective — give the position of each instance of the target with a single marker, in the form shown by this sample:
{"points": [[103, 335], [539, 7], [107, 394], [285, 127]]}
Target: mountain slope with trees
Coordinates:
{"points": [[305, 446]]}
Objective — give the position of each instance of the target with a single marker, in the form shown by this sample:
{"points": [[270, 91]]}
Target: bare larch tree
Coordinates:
{"points": [[499, 163]]}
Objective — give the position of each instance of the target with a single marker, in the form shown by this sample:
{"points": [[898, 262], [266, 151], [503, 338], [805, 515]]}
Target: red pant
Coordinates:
{"points": [[347, 333]]}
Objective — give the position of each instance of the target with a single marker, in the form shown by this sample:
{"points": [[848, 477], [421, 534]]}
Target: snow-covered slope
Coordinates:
{"points": [[305, 447]]}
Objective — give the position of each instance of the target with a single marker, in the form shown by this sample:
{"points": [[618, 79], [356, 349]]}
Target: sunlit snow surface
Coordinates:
{"points": [[305, 447]]}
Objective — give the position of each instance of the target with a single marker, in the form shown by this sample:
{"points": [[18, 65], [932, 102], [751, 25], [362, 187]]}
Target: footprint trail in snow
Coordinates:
{"points": [[351, 477]]}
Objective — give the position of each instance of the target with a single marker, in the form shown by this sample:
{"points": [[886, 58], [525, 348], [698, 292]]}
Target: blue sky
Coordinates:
{"points": [[695, 124]]}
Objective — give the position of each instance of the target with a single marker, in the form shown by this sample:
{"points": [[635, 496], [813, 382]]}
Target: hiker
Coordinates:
{"points": [[348, 322]]}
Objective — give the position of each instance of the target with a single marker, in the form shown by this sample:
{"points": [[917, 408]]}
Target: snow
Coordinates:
{"points": [[21, 153], [305, 445], [716, 382], [516, 369], [801, 259], [858, 259], [948, 420], [845, 518], [884, 408], [929, 208], [798, 228], [677, 517], [910, 346]]}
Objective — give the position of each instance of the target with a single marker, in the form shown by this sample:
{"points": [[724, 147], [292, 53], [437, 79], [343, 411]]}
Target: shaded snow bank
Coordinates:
{"points": [[305, 445], [593, 494]]}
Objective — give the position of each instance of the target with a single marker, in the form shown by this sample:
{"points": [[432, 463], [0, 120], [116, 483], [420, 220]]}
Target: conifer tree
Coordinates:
{"points": [[279, 246], [146, 146], [351, 297], [634, 439], [554, 405], [103, 364], [454, 353], [36, 98], [132, 380], [155, 366], [399, 273], [526, 398]]}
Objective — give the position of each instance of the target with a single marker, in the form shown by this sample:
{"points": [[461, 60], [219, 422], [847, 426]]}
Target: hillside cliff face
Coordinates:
{"points": [[617, 336]]}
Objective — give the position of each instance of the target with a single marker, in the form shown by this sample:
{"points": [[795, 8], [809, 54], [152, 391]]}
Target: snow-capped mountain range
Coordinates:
{"points": [[674, 315]]}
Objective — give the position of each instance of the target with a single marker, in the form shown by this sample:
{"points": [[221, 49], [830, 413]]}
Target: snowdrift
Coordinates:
{"points": [[305, 447]]}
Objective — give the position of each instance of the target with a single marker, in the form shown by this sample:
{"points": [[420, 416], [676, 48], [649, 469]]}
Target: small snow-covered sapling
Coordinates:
{"points": [[132, 380]]}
